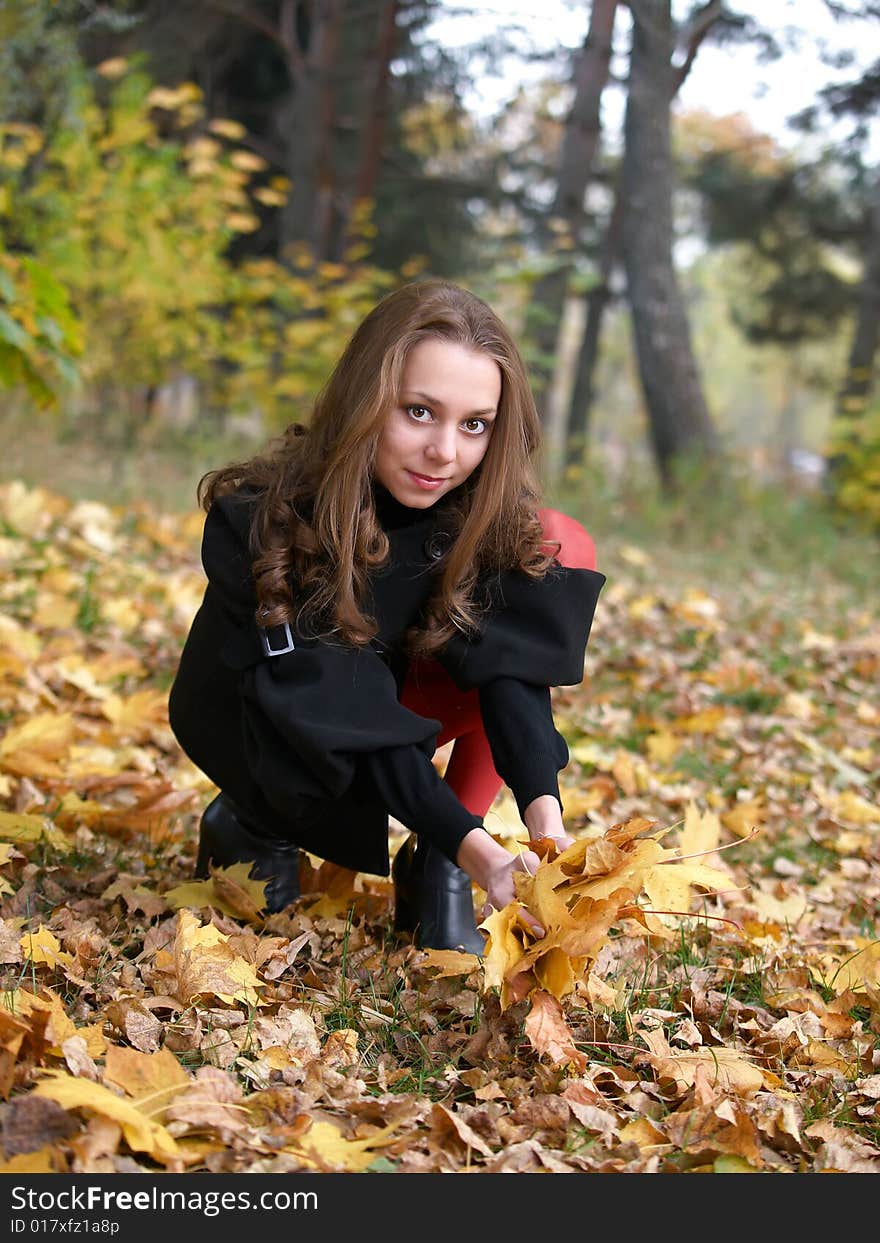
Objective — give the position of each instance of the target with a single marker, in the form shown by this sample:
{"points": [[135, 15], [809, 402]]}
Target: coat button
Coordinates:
{"points": [[436, 545]]}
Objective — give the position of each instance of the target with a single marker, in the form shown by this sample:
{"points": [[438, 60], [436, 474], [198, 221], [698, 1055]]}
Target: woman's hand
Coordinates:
{"points": [[492, 866], [500, 886]]}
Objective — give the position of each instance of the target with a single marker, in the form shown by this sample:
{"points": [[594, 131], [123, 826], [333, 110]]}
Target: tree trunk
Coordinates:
{"points": [[579, 143], [680, 424], [583, 388], [858, 382], [310, 37], [377, 98]]}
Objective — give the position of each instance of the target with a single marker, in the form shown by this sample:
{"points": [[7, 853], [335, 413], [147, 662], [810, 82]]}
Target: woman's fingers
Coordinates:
{"points": [[501, 890]]}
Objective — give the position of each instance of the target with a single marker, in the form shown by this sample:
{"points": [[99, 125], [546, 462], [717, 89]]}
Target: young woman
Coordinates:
{"points": [[380, 583]]}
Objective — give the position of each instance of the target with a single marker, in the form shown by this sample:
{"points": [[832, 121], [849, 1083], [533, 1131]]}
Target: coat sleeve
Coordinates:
{"points": [[534, 630], [527, 749]]}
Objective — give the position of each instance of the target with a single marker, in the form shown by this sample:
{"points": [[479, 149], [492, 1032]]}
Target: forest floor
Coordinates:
{"points": [[707, 998]]}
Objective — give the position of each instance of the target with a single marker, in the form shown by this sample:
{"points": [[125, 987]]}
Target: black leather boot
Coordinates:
{"points": [[225, 838], [434, 900]]}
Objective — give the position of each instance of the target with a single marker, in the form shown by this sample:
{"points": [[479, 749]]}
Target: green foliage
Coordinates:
{"points": [[39, 334], [132, 209]]}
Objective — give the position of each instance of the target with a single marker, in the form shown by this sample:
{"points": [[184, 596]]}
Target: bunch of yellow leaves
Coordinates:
{"points": [[577, 896]]}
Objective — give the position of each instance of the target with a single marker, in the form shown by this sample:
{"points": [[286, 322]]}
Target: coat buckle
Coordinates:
{"points": [[266, 642]]}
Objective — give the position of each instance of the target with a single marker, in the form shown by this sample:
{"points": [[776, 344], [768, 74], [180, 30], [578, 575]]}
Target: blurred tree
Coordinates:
{"points": [[809, 229], [330, 95], [679, 420], [705, 23]]}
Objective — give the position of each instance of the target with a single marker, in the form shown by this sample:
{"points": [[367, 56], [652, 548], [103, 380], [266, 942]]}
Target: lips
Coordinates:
{"points": [[428, 482]]}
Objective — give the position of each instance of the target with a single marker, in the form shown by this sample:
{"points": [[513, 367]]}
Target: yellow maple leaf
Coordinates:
{"points": [[448, 962], [328, 1147], [41, 1161], [853, 970], [42, 946], [745, 816], [851, 806], [54, 612], [663, 746], [152, 1080], [21, 827], [231, 890], [701, 833], [33, 748], [669, 887], [136, 713], [141, 1133]]}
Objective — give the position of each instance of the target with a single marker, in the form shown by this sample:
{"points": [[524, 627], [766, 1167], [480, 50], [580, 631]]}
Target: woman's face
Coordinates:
{"points": [[438, 431]]}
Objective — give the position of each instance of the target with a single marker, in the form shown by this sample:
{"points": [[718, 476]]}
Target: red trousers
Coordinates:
{"points": [[429, 690]]}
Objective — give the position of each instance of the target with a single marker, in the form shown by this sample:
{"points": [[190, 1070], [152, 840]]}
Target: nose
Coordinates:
{"points": [[441, 447]]}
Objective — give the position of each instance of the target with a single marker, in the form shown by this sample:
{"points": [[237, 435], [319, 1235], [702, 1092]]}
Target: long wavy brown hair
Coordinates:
{"points": [[314, 521]]}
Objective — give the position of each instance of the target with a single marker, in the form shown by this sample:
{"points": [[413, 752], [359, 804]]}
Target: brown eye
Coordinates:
{"points": [[477, 430]]}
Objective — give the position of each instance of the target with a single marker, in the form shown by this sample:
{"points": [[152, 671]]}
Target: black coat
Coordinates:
{"points": [[295, 738]]}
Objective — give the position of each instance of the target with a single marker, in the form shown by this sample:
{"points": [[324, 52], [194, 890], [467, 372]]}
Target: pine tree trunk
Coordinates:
{"points": [[377, 77], [583, 389], [680, 424]]}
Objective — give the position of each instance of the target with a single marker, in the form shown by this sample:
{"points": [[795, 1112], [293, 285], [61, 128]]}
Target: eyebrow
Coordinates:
{"points": [[435, 401]]}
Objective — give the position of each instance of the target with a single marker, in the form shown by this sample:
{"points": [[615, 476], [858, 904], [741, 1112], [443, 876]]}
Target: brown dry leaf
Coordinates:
{"points": [[723, 1068], [212, 1103], [136, 1023], [205, 965], [842, 1152], [136, 897], [95, 1144], [31, 1123], [550, 1034], [446, 1121]]}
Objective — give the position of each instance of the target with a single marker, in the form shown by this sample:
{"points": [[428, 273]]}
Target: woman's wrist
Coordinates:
{"points": [[479, 855], [543, 817]]}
